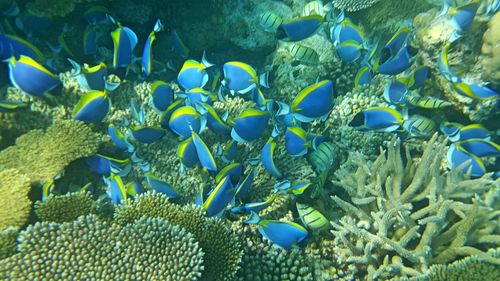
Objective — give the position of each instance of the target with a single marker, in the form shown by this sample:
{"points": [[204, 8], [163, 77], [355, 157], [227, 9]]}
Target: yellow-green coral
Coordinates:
{"points": [[353, 5], [8, 242], [65, 208], [90, 249], [491, 50], [43, 155], [15, 203]]}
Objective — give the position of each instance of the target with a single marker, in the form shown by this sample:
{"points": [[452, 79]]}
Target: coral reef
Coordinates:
{"points": [[62, 143], [353, 5], [490, 50], [65, 208], [222, 254], [147, 249], [53, 8], [15, 205], [403, 215], [8, 242]]}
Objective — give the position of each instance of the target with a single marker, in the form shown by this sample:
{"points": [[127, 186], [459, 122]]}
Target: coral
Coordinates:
{"points": [[65, 208], [53, 8], [490, 50], [403, 215], [148, 249], [15, 205], [8, 242], [62, 143], [353, 5], [218, 242]]}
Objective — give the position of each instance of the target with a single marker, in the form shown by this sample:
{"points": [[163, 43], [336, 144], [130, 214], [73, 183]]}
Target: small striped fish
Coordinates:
{"points": [[304, 54], [313, 8], [270, 21], [420, 126], [311, 217], [426, 102], [322, 158]]}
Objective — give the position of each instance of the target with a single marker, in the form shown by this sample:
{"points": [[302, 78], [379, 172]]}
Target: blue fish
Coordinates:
{"points": [[396, 92], [193, 74], [299, 28], [461, 16], [244, 185], [416, 79], [458, 155], [458, 132], [397, 41], [135, 188], [475, 91], [186, 151], [382, 119], [97, 15], [240, 77], [160, 186], [104, 165], [285, 187], [199, 95], [90, 37], [92, 107], [11, 106], [165, 117], [267, 157], [13, 46], [219, 198], [119, 139], [124, 42], [283, 234], [254, 206], [349, 51], [162, 95], [184, 119], [147, 55], [92, 78], [136, 111], [214, 122], [31, 77], [345, 31], [314, 102], [117, 190], [228, 152], [395, 64], [296, 141], [147, 134], [258, 97], [177, 45], [444, 65], [233, 171], [204, 155], [363, 77], [480, 147], [249, 125]]}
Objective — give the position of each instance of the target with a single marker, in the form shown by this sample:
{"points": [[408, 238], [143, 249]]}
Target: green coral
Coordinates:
{"points": [[8, 242], [53, 8], [353, 5], [490, 51], [90, 249], [15, 203], [403, 217], [219, 243], [43, 155], [65, 208]]}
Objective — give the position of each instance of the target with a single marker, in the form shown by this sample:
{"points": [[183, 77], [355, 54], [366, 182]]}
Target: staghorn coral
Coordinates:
{"points": [[65, 208], [148, 249], [15, 203], [490, 50], [402, 218], [62, 143], [353, 5], [8, 242], [220, 245]]}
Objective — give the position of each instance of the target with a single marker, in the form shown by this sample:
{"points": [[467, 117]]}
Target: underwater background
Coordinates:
{"points": [[251, 140]]}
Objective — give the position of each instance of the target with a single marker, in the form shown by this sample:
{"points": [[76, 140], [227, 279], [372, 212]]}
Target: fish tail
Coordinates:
{"points": [[264, 79]]}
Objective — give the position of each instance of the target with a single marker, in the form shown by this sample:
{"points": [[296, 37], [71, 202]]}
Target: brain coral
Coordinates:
{"points": [[353, 5], [218, 242], [491, 50], [90, 249], [65, 208], [14, 202], [43, 155]]}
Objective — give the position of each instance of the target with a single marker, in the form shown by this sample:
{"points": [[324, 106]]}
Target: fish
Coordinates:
{"points": [[228, 152], [426, 101], [165, 117], [31, 77], [162, 95], [233, 171], [178, 45], [136, 111], [416, 79], [480, 147], [244, 185], [258, 97], [124, 42], [461, 16], [395, 64], [420, 126], [92, 78], [14, 46], [147, 55], [286, 187], [314, 102], [214, 122], [90, 37], [345, 31], [186, 119], [92, 107], [492, 6], [97, 15], [135, 188], [117, 190], [198, 95], [314, 8], [450, 129], [254, 206], [148, 134], [321, 159], [462, 133], [475, 91], [267, 158], [457, 156], [363, 77], [160, 186], [119, 139], [283, 234], [205, 157], [397, 42], [11, 106], [219, 198], [312, 218], [9, 8], [296, 142], [444, 65], [47, 188], [249, 125], [349, 51], [193, 74], [299, 28], [304, 54], [186, 151], [396, 92], [270, 21], [104, 165], [240, 77], [383, 119]]}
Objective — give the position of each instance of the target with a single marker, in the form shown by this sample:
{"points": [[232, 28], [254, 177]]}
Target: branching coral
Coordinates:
{"points": [[65, 208], [353, 5], [89, 249], [403, 217], [8, 242], [15, 203], [62, 143], [218, 242]]}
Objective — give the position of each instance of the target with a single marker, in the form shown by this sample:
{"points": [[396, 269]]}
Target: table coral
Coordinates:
{"points": [[353, 5], [65, 208], [405, 215], [16, 205]]}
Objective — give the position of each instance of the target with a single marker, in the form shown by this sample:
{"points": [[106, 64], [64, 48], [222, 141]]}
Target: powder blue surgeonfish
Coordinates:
{"points": [[214, 122], [349, 40], [117, 190], [299, 28], [243, 186], [193, 74], [186, 151], [119, 139], [396, 54], [185, 119], [461, 16], [198, 95], [104, 165], [147, 55], [254, 206], [147, 134], [205, 156], [240, 77], [92, 78], [363, 77], [475, 91], [296, 141], [444, 65], [13, 46], [162, 95], [396, 93], [457, 156], [314, 102], [31, 77], [281, 233], [124, 42], [92, 107], [165, 117], [136, 111], [228, 152], [219, 197], [233, 170], [249, 125], [160, 186], [458, 132], [480, 147], [382, 119], [267, 158]]}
